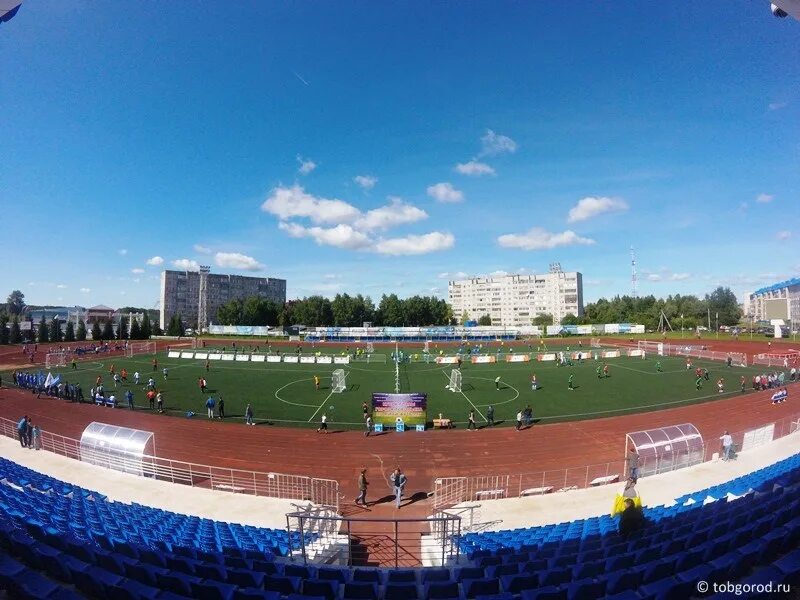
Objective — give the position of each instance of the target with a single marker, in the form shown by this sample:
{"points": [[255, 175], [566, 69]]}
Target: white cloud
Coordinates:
{"points": [[366, 182], [680, 276], [654, 277], [341, 236], [136, 280], [783, 235], [498, 273], [185, 264], [85, 290], [539, 239], [155, 261], [201, 249], [777, 105], [395, 213], [474, 168], [331, 276], [288, 202], [416, 244], [306, 165], [453, 276], [61, 286], [764, 198], [445, 192], [137, 271], [592, 206], [123, 251], [234, 260], [493, 143]]}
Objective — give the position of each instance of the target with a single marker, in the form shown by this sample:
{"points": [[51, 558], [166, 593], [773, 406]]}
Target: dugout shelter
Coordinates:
{"points": [[666, 449], [118, 448]]}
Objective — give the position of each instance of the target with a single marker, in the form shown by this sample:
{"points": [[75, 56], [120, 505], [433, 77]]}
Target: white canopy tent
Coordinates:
{"points": [[118, 448], [666, 448]]}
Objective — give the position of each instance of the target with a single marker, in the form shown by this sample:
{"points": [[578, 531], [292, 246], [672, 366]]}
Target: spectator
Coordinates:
{"points": [[221, 407], [633, 463], [727, 445], [210, 406], [362, 488], [631, 520], [519, 420], [160, 401], [22, 431], [248, 415], [37, 437], [129, 398], [490, 416], [399, 481], [630, 489]]}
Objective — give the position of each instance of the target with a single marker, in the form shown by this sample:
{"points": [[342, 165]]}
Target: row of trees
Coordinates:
{"points": [[343, 311], [52, 332]]}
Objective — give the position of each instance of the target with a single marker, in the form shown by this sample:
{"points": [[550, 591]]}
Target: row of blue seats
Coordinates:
{"points": [[90, 515], [786, 471]]}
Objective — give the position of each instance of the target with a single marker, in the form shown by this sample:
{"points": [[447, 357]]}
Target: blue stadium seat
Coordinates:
{"points": [[212, 590], [360, 590], [400, 591], [441, 590], [327, 588]]}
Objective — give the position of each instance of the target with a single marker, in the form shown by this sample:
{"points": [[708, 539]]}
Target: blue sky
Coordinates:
{"points": [[375, 147]]}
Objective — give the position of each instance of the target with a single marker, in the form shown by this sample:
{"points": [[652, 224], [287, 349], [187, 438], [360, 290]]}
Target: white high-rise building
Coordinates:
{"points": [[515, 300]]}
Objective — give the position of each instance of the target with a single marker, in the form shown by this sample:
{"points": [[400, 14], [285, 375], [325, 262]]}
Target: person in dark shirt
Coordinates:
{"points": [[631, 520]]}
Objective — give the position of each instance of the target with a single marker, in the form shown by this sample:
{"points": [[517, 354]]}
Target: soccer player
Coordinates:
{"points": [[720, 385], [534, 383], [208, 365], [74, 365], [124, 375], [658, 366], [598, 370], [166, 372], [323, 424], [117, 379], [111, 369], [136, 377], [605, 370], [698, 383], [743, 381], [316, 383], [705, 374], [497, 382], [688, 364], [155, 364], [571, 382]]}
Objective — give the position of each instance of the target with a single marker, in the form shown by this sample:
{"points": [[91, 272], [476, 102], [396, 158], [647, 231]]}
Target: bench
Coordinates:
{"points": [[604, 480], [488, 494], [537, 491]]}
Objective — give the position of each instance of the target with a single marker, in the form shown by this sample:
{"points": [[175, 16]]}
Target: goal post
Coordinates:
{"points": [[650, 346], [135, 348], [455, 381], [55, 359], [338, 381], [594, 343]]}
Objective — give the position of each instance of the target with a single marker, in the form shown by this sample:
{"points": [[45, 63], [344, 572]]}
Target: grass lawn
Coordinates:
{"points": [[284, 393]]}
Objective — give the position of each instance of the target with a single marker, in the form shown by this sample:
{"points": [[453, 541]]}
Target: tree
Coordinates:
{"points": [[122, 330], [175, 326], [390, 311], [3, 329], [108, 331], [55, 330], [147, 329], [464, 318], [15, 304], [15, 336], [43, 336], [69, 334], [723, 301], [543, 320], [97, 333], [80, 335], [485, 320], [230, 313], [569, 319], [136, 330]]}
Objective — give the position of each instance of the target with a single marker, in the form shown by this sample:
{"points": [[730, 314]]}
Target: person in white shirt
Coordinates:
{"points": [[519, 420], [323, 425], [136, 378], [727, 445]]}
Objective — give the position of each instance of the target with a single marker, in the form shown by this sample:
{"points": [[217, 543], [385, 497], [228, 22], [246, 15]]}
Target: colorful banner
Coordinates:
{"points": [[546, 357], [513, 358], [410, 408], [483, 359], [447, 360]]}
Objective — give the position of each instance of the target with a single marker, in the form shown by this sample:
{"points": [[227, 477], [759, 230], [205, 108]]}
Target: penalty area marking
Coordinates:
{"points": [[293, 403], [311, 418]]}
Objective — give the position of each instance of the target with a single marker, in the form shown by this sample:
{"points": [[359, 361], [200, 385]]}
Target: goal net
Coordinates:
{"points": [[455, 381], [648, 346], [595, 343], [339, 381], [55, 359], [135, 348]]}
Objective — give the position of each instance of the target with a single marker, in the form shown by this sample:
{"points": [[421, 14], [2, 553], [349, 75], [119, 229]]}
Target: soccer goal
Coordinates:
{"points": [[648, 346], [55, 359], [339, 381], [135, 348], [455, 381], [595, 343]]}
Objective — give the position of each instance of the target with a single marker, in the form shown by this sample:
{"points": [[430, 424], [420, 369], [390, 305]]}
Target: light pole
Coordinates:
{"points": [[681, 325]]}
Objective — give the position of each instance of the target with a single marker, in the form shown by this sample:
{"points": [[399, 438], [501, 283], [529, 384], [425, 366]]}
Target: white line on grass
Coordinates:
{"points": [[467, 398], [311, 418], [287, 401]]}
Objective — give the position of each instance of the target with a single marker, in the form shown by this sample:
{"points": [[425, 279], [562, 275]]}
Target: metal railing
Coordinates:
{"points": [[322, 492], [449, 491], [318, 536]]}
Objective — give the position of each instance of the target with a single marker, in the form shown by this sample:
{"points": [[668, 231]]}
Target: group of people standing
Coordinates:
{"points": [[30, 436], [397, 480]]}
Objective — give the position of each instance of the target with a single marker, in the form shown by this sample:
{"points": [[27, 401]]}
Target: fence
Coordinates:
{"points": [[322, 492], [449, 491], [777, 359], [324, 537]]}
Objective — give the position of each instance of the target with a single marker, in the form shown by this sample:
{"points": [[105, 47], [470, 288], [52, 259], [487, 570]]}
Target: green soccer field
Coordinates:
{"points": [[283, 393]]}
